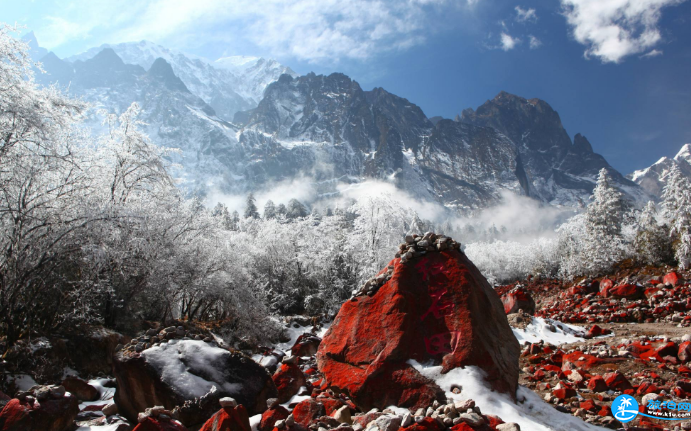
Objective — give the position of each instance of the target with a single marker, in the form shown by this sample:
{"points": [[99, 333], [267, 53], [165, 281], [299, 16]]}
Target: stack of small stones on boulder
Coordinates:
{"points": [[154, 337], [413, 247]]}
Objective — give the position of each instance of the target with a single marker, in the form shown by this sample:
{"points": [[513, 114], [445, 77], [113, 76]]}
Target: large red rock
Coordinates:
{"points": [[437, 307], [308, 411], [617, 381], [151, 424], [306, 345], [48, 415], [671, 278], [518, 299], [288, 380], [271, 416], [628, 291], [597, 384], [229, 419], [684, 353]]}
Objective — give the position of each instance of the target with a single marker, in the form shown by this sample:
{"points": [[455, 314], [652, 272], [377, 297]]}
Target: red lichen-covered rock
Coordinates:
{"points": [[518, 299], [563, 393], [426, 424], [271, 416], [577, 359], [288, 380], [671, 278], [605, 284], [331, 404], [80, 389], [436, 307], [306, 345], [684, 353], [229, 419], [462, 427], [597, 384], [308, 411], [617, 381], [596, 331], [48, 415], [151, 424], [627, 291]]}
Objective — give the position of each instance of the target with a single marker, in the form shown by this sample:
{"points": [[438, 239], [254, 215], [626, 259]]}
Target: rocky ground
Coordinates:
{"points": [[422, 346]]}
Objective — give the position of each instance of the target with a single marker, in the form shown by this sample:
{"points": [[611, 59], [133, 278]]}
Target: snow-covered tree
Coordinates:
{"points": [[603, 245], [651, 242], [251, 210], [269, 210], [296, 209], [677, 209]]}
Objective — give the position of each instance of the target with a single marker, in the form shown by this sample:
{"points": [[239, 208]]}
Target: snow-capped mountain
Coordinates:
{"points": [[509, 143], [654, 178], [228, 85], [174, 116], [331, 130]]}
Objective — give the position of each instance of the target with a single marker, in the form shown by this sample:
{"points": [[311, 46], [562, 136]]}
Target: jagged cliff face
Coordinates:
{"points": [[330, 129], [550, 167], [653, 179]]}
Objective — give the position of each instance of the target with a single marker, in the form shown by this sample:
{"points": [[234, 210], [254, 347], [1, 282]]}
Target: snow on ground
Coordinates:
{"points": [[531, 412], [106, 394], [540, 329], [113, 427], [297, 398], [24, 382], [254, 422], [179, 362]]}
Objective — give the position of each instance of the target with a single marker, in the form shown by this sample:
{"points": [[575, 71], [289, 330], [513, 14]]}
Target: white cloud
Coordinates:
{"points": [[524, 15], [614, 29], [535, 43], [651, 54], [310, 30], [508, 43]]}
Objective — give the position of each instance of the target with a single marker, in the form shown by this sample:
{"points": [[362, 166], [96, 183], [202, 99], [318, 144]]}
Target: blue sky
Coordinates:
{"points": [[616, 70]]}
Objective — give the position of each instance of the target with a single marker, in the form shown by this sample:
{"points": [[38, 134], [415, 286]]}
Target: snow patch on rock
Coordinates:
{"points": [[190, 366]]}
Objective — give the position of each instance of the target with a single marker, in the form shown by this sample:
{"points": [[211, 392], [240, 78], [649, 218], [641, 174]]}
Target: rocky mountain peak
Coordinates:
{"points": [[35, 51], [581, 144], [162, 71]]}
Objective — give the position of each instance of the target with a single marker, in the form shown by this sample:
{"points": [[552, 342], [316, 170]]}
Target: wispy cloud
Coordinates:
{"points": [[525, 15], [309, 30], [614, 29], [535, 43], [651, 54], [508, 43]]}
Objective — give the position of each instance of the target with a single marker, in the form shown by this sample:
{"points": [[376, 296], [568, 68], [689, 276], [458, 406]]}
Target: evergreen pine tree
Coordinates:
{"points": [[677, 205], [251, 208], [269, 210]]}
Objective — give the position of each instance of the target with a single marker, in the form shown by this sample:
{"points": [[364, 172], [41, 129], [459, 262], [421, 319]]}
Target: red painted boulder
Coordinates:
{"points": [[308, 411], [151, 424], [288, 380], [426, 424], [617, 381], [228, 419], [627, 291], [306, 345], [271, 416], [684, 353], [518, 299], [436, 307], [56, 414], [671, 278]]}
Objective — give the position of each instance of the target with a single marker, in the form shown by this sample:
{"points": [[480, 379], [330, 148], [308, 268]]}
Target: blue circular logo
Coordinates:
{"points": [[625, 408]]}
